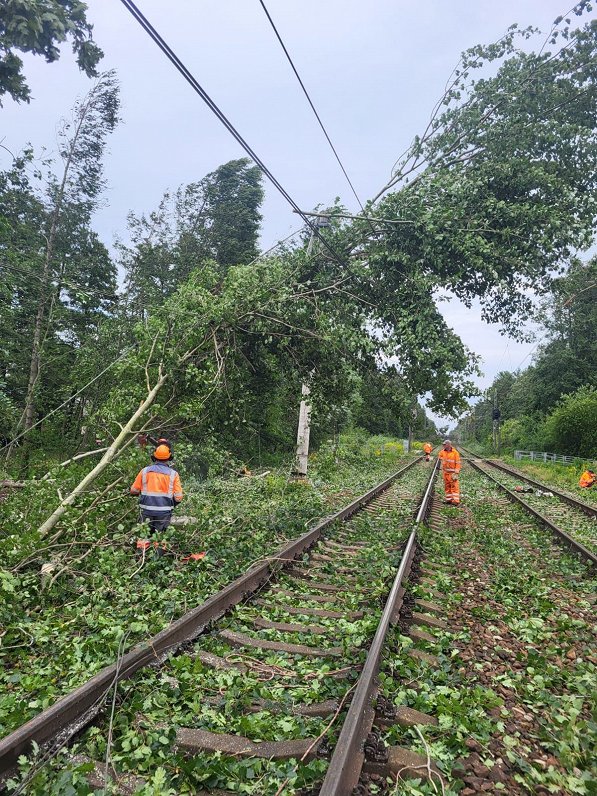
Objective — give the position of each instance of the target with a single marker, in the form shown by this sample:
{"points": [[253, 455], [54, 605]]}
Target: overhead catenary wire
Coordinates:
{"points": [[310, 101], [196, 86]]}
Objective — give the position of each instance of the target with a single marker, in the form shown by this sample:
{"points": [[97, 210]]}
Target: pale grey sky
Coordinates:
{"points": [[374, 70]]}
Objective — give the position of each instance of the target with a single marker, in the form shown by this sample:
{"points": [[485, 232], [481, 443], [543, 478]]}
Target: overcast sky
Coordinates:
{"points": [[374, 70]]}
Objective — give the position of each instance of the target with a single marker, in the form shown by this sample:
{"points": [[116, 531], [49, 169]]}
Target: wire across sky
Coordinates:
{"points": [[194, 83]]}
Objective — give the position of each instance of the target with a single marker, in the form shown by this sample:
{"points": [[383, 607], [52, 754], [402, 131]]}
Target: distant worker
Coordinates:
{"points": [[450, 463], [427, 447], [160, 491], [587, 479]]}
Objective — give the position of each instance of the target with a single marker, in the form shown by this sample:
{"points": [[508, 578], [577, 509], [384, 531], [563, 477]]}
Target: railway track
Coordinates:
{"points": [[573, 522], [264, 675]]}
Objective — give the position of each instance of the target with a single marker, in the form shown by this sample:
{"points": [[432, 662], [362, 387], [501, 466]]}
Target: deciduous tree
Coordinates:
{"points": [[40, 27]]}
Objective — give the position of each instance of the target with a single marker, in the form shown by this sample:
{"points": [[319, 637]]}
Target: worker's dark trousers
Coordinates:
{"points": [[157, 522]]}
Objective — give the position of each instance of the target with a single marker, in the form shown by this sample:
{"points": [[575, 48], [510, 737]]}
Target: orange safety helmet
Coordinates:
{"points": [[163, 453]]}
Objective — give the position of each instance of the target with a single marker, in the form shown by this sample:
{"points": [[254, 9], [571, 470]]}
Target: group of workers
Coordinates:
{"points": [[159, 489]]}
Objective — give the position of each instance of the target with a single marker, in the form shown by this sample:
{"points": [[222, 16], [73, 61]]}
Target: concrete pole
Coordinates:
{"points": [[302, 437], [304, 424]]}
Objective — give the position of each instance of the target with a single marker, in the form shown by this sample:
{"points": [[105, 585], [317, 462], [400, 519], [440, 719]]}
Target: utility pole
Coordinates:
{"points": [[304, 423], [303, 433], [412, 421], [496, 414]]}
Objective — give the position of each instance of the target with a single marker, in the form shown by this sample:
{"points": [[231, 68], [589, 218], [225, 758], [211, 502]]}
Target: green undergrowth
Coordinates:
{"points": [[186, 692], [533, 606], [95, 598]]}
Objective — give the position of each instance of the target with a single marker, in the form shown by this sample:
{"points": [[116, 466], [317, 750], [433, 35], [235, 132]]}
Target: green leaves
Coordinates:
{"points": [[39, 27], [498, 197]]}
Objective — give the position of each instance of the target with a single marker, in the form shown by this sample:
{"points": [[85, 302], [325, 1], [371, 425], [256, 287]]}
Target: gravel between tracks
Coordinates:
{"points": [[517, 671]]}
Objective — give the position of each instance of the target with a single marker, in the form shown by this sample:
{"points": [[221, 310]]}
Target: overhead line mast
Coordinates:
{"points": [[194, 83]]}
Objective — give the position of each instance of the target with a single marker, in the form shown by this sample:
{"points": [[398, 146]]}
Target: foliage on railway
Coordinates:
{"points": [[513, 692], [186, 692], [61, 627]]}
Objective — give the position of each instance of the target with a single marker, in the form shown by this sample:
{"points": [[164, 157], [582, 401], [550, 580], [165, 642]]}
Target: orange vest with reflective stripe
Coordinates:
{"points": [[159, 488], [450, 460], [427, 448], [587, 479]]}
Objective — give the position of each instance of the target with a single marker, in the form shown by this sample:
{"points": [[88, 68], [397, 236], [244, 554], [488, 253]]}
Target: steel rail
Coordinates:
{"points": [[347, 760], [77, 709], [574, 502], [577, 547]]}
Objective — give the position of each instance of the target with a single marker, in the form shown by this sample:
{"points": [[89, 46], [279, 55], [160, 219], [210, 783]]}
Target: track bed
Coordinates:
{"points": [[259, 696]]}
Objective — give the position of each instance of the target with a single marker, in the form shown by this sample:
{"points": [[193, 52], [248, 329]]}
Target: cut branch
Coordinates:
{"points": [[108, 456]]}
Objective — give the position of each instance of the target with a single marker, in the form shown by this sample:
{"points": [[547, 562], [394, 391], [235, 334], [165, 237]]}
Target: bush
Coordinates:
{"points": [[382, 446], [572, 426], [527, 432]]}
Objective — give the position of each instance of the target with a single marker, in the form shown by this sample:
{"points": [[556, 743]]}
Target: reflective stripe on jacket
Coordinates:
{"points": [[450, 461], [159, 487]]}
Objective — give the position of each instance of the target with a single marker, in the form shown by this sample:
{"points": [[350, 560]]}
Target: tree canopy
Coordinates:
{"points": [[40, 27], [498, 193], [489, 204]]}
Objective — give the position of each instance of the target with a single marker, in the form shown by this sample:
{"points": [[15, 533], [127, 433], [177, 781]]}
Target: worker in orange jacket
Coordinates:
{"points": [[160, 491], [427, 447], [587, 479], [450, 464]]}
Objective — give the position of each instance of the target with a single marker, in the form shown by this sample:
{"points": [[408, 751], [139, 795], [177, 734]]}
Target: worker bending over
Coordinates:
{"points": [[587, 479], [427, 447], [450, 464], [160, 491]]}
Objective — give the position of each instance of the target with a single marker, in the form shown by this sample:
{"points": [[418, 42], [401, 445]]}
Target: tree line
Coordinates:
{"points": [[552, 404], [211, 341]]}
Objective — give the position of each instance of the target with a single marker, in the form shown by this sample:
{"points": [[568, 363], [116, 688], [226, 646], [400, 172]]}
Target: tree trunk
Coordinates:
{"points": [[108, 456], [35, 364]]}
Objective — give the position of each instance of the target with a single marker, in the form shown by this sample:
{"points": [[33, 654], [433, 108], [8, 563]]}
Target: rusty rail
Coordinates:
{"points": [[75, 710], [591, 511], [348, 758], [575, 546]]}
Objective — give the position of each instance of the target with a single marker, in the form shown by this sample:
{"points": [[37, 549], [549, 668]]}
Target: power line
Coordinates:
{"points": [[524, 359], [196, 86], [309, 100]]}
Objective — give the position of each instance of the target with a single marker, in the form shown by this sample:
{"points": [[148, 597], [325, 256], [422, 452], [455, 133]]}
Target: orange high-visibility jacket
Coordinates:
{"points": [[450, 460], [159, 487], [587, 480], [427, 447]]}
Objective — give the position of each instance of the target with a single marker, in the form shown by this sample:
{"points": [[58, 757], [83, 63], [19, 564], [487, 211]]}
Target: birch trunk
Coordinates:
{"points": [[108, 456]]}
